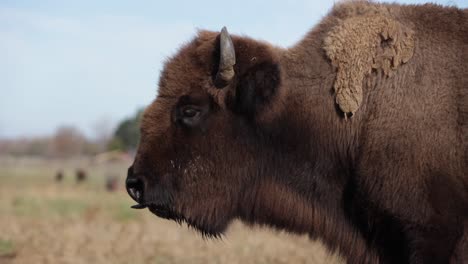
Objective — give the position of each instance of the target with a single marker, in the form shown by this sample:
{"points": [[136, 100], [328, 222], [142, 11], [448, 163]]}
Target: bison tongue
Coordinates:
{"points": [[138, 206]]}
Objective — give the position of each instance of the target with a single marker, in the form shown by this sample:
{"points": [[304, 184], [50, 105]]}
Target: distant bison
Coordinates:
{"points": [[112, 183], [357, 135], [81, 175], [59, 176]]}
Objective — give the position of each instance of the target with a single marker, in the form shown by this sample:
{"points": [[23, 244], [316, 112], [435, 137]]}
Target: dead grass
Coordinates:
{"points": [[46, 222]]}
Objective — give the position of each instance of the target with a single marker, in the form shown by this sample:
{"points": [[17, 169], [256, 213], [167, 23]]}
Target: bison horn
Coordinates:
{"points": [[227, 60]]}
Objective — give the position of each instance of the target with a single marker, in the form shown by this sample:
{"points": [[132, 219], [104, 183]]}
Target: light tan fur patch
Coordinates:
{"points": [[358, 45]]}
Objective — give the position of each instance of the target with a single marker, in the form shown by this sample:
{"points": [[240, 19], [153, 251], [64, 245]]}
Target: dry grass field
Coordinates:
{"points": [[43, 221]]}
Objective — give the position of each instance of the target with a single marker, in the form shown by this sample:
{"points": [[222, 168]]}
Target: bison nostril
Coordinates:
{"points": [[135, 188]]}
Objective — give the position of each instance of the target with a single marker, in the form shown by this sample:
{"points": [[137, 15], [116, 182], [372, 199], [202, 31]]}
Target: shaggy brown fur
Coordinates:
{"points": [[355, 50], [388, 185]]}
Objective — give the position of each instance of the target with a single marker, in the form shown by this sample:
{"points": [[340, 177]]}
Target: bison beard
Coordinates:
{"points": [[357, 135]]}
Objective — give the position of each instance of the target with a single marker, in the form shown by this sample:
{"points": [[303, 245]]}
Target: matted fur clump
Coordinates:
{"points": [[362, 43]]}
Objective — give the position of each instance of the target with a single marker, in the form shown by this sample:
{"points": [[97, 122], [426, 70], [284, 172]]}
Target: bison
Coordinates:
{"points": [[80, 175], [356, 135], [112, 183], [59, 176]]}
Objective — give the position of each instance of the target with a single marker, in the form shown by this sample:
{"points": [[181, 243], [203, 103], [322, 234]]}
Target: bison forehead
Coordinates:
{"points": [[191, 70]]}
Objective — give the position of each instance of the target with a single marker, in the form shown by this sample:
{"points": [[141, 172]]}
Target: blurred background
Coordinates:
{"points": [[74, 79]]}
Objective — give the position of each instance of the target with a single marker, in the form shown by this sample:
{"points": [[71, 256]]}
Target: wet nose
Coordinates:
{"points": [[135, 186]]}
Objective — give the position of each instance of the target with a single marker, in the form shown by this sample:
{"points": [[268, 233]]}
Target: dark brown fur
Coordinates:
{"points": [[388, 185]]}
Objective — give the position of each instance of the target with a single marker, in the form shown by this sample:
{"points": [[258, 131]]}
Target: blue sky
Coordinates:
{"points": [[85, 63]]}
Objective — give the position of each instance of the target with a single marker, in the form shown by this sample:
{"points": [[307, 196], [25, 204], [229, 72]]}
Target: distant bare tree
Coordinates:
{"points": [[103, 130], [67, 142]]}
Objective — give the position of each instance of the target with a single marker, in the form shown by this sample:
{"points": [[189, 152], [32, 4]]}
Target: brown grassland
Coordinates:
{"points": [[43, 221]]}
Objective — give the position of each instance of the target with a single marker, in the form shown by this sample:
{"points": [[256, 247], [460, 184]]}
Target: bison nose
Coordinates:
{"points": [[135, 189], [134, 186]]}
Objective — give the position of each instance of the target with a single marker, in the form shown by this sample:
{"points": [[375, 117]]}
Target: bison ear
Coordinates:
{"points": [[255, 88]]}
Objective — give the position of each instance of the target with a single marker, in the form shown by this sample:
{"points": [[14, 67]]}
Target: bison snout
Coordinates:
{"points": [[135, 186]]}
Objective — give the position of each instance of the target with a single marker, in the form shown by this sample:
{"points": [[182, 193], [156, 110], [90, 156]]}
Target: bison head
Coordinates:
{"points": [[205, 140]]}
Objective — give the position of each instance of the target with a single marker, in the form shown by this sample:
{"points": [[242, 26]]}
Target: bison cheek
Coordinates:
{"points": [[206, 210]]}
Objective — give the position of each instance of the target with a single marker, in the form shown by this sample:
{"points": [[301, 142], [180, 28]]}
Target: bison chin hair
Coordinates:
{"points": [[210, 224]]}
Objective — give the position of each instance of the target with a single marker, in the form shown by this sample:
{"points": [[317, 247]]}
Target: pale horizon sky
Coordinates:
{"points": [[83, 63]]}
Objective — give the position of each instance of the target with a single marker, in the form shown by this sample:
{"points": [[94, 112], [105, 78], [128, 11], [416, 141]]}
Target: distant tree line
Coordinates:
{"points": [[69, 141], [66, 142]]}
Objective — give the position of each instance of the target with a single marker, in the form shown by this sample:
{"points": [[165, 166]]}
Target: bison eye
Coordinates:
{"points": [[189, 115], [190, 112]]}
